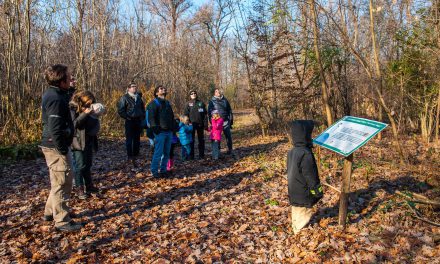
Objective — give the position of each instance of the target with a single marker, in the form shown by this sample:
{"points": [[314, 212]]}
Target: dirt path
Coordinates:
{"points": [[234, 210]]}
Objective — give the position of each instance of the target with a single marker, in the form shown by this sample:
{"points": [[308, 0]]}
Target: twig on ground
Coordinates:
{"points": [[424, 201], [417, 215], [331, 187]]}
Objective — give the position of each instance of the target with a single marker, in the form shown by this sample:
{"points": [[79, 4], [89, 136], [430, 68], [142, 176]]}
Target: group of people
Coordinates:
{"points": [[71, 125], [164, 130]]}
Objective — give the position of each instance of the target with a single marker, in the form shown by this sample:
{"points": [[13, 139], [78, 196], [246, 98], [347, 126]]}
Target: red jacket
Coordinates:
{"points": [[216, 130]]}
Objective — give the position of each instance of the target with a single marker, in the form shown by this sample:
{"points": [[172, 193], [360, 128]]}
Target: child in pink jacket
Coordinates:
{"points": [[216, 133]]}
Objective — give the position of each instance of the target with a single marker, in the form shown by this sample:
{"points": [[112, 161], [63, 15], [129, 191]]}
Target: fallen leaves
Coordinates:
{"points": [[234, 210]]}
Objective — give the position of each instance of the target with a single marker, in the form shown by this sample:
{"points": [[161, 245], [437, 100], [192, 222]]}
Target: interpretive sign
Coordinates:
{"points": [[348, 134]]}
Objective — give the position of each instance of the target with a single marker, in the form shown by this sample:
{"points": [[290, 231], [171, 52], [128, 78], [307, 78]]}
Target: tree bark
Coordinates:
{"points": [[324, 86]]}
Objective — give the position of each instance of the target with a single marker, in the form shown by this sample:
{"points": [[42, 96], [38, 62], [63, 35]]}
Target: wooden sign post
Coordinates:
{"points": [[345, 190], [344, 137]]}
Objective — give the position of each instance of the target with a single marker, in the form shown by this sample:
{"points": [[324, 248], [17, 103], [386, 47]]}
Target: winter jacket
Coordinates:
{"points": [[185, 135], [303, 182], [222, 105], [57, 122], [160, 116], [216, 129], [86, 129], [130, 108], [196, 110]]}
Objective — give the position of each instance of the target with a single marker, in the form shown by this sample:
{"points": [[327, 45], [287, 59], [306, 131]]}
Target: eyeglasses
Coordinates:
{"points": [[193, 94], [133, 86], [162, 88]]}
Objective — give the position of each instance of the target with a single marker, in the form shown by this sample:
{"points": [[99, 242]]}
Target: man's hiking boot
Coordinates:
{"points": [[133, 163], [49, 218], [92, 189], [70, 227]]}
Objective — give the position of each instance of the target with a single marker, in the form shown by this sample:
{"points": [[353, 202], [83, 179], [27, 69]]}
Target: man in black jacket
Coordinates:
{"points": [[161, 121], [303, 182], [221, 104], [131, 107], [56, 139], [196, 110]]}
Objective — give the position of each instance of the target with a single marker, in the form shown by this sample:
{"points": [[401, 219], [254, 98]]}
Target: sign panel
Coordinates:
{"points": [[348, 134]]}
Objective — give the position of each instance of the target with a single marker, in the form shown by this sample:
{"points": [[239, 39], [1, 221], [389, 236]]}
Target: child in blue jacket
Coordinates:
{"points": [[185, 136]]}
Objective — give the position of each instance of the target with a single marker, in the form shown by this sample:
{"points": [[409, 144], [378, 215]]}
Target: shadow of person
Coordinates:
{"points": [[362, 203]]}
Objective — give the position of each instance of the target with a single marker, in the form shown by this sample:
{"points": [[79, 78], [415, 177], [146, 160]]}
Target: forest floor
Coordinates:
{"points": [[234, 210]]}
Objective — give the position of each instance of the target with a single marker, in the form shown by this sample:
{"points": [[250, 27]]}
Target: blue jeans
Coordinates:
{"points": [[186, 152], [228, 135], [215, 149], [162, 147], [83, 163]]}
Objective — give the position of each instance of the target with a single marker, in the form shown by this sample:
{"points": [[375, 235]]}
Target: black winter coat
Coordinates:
{"points": [[131, 109], [196, 110], [224, 108], [57, 122], [86, 128], [161, 116], [303, 182]]}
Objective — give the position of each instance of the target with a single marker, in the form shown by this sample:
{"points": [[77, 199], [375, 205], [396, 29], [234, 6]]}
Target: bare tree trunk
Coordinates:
{"points": [[437, 116], [324, 86], [376, 62], [378, 88]]}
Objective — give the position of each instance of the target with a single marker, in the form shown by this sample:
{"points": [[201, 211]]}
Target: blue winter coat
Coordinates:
{"points": [[185, 133]]}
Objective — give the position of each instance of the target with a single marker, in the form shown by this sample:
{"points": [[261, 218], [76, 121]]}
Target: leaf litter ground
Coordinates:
{"points": [[230, 211]]}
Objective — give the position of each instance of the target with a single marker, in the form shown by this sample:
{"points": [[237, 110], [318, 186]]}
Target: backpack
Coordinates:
{"points": [[156, 101]]}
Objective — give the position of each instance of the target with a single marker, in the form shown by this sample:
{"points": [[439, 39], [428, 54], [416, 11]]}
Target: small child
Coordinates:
{"points": [[303, 182], [185, 136], [216, 133]]}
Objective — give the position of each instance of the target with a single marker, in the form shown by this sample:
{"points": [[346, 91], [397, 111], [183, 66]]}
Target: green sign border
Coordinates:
{"points": [[362, 121]]}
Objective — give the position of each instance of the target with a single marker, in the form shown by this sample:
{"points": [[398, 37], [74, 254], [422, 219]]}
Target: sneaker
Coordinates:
{"points": [[70, 227], [81, 194]]}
